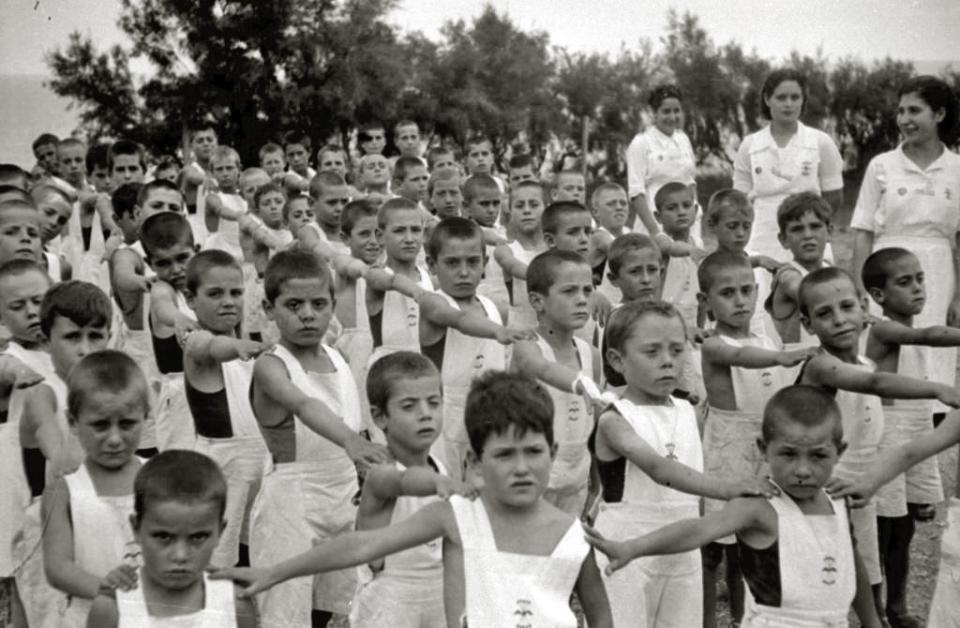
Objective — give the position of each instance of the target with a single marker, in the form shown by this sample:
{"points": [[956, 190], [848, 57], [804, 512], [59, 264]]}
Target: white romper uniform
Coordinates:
{"points": [[219, 609], [54, 268], [464, 359], [655, 159], [308, 501], [606, 287], [945, 606], [572, 425], [903, 421], [919, 210], [655, 591], [492, 285], [174, 423], [102, 536], [14, 491], [810, 162], [241, 457], [680, 287], [138, 344], [356, 345], [407, 591], [42, 604], [521, 313], [817, 573], [87, 265], [862, 431], [507, 589], [730, 436], [227, 235]]}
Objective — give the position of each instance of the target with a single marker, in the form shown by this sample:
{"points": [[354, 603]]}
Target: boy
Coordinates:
{"points": [[374, 174], [440, 157], [328, 196], [217, 374], [569, 185], [521, 168], [741, 371], [406, 589], [509, 420], [168, 247], [895, 281], [460, 331], [87, 513], [74, 320], [560, 286], [831, 308], [526, 208], [410, 179], [804, 221], [305, 398], [22, 286], [72, 158], [610, 208], [226, 202], [332, 158], [168, 168], [20, 231], [443, 190], [98, 167], [296, 148], [272, 160], [805, 569], [634, 264], [482, 201], [179, 504], [479, 158], [372, 138], [406, 137], [45, 152], [197, 179], [55, 209]]}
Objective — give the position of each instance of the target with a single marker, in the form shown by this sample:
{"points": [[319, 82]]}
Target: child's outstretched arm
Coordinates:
{"points": [[863, 603], [509, 262], [349, 550], [894, 333], [435, 311], [386, 482], [593, 594], [827, 370], [123, 267], [39, 419], [202, 346], [272, 377], [528, 359], [896, 460], [163, 306], [619, 436], [58, 559], [737, 516], [716, 351], [14, 373], [671, 248], [259, 231]]}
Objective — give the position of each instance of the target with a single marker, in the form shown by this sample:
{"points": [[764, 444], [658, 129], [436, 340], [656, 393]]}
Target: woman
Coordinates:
{"points": [[910, 198], [659, 155], [784, 158]]}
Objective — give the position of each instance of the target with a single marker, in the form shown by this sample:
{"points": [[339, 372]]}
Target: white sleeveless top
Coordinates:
{"points": [[507, 589], [572, 423], [753, 388], [14, 490], [421, 563], [914, 361], [227, 236], [862, 425], [338, 391], [54, 270], [400, 318], [237, 376], [680, 285], [219, 609], [817, 573], [464, 359], [521, 312], [672, 432]]}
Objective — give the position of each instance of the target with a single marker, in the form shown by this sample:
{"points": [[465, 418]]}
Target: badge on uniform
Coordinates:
{"points": [[902, 191], [758, 170], [806, 168]]}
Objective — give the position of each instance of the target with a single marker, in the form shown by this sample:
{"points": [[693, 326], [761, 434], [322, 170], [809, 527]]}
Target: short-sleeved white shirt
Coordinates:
{"points": [[898, 197], [655, 159]]}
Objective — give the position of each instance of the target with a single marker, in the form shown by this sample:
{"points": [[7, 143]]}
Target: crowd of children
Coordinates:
{"points": [[423, 393]]}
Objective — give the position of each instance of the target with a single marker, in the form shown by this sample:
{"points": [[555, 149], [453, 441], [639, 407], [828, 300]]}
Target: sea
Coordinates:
{"points": [[29, 108]]}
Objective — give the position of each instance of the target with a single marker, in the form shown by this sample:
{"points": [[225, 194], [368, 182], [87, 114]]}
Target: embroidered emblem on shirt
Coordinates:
{"points": [[524, 614], [671, 451], [829, 571], [806, 168], [767, 379]]}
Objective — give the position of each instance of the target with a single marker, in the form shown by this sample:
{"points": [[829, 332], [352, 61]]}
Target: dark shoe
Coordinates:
{"points": [[924, 512], [903, 620]]}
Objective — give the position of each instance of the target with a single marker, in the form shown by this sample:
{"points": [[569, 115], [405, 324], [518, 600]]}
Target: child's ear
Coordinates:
{"points": [[762, 446], [536, 301], [782, 239], [702, 300], [223, 525], [472, 459], [553, 451], [865, 303], [805, 321], [379, 418], [550, 241], [615, 360], [268, 309], [134, 523], [842, 447], [876, 294]]}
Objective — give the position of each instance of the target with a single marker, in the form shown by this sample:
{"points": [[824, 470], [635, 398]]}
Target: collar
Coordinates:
{"points": [[764, 138], [940, 163]]}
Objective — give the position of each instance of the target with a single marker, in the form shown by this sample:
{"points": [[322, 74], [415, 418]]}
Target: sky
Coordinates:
{"points": [[924, 30]]}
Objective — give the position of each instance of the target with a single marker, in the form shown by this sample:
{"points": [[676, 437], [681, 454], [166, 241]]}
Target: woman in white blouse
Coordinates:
{"points": [[659, 155], [783, 158], [910, 198]]}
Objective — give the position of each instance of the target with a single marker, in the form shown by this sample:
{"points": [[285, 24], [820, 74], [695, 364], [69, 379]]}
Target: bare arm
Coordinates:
{"points": [[529, 360], [164, 307], [623, 439], [641, 210], [437, 311], [509, 262], [123, 266], [894, 333], [863, 603], [201, 346], [826, 370], [62, 571], [593, 594], [270, 374], [386, 482], [862, 247], [103, 612], [718, 352]]}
